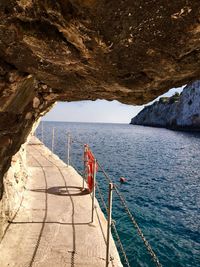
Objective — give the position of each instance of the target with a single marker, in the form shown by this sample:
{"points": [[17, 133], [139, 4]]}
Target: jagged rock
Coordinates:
{"points": [[14, 184], [177, 112], [131, 51]]}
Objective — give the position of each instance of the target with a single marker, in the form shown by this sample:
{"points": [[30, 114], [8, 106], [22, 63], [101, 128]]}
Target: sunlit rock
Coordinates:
{"points": [[177, 112]]}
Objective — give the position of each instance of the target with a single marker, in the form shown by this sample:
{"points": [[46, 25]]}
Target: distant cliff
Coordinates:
{"points": [[181, 112]]}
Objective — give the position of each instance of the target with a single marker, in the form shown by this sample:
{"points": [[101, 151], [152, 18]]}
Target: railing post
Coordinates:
{"points": [[68, 148], [52, 144], [109, 224], [94, 188]]}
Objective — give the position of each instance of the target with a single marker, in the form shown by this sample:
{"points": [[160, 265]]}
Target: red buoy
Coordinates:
{"points": [[122, 179]]}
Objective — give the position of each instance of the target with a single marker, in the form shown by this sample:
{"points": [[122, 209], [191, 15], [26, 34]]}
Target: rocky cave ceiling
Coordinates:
{"points": [[69, 50]]}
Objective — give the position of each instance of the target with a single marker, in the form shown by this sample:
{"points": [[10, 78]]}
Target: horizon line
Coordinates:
{"points": [[87, 122]]}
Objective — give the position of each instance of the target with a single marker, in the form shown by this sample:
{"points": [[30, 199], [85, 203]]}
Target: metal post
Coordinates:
{"points": [[68, 148], [94, 187], [42, 127], [109, 224], [52, 144]]}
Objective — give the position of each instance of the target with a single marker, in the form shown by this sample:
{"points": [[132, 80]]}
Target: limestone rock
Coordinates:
{"points": [[131, 51], [14, 183], [177, 112], [69, 50]]}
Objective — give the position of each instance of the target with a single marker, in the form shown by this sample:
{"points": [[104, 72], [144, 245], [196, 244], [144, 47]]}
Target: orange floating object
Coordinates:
{"points": [[122, 179]]}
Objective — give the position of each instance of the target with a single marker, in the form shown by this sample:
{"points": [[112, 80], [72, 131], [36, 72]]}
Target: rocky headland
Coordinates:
{"points": [[178, 112]]}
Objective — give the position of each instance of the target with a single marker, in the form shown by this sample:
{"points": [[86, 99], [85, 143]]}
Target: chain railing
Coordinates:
{"points": [[107, 207]]}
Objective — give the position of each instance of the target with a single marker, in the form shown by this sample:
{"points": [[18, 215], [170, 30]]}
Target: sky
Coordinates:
{"points": [[97, 111]]}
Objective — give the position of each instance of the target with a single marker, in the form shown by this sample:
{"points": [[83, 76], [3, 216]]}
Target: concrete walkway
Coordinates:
{"points": [[53, 225]]}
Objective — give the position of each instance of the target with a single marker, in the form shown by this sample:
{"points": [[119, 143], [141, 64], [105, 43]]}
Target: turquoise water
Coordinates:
{"points": [[163, 188]]}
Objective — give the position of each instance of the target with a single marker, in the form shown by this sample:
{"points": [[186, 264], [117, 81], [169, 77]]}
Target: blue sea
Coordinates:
{"points": [[162, 169]]}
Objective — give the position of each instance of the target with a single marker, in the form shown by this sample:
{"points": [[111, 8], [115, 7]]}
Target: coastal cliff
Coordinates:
{"points": [[181, 112]]}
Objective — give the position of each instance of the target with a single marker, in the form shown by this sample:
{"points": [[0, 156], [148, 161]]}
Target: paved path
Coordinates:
{"points": [[53, 225]]}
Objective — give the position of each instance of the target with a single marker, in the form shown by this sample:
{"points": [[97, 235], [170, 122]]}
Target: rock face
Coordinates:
{"points": [[131, 51], [69, 50], [177, 112], [14, 185]]}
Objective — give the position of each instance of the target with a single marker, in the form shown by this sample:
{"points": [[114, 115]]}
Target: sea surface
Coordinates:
{"points": [[162, 169]]}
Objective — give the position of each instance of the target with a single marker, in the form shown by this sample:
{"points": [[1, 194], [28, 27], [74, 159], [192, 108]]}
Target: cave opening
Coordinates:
{"points": [[79, 118], [153, 162]]}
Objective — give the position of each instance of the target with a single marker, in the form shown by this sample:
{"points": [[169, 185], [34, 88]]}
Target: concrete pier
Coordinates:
{"points": [[53, 225]]}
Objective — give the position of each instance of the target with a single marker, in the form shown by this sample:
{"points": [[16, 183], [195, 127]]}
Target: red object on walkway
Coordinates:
{"points": [[90, 161]]}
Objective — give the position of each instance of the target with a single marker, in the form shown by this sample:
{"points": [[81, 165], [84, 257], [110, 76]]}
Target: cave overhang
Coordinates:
{"points": [[70, 50]]}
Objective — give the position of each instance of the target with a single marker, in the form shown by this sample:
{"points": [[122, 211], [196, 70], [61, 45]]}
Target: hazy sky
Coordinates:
{"points": [[96, 111]]}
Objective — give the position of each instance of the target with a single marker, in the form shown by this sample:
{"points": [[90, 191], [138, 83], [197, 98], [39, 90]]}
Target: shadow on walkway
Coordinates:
{"points": [[63, 191]]}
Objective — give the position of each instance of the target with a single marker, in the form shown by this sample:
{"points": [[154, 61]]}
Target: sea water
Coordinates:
{"points": [[162, 169]]}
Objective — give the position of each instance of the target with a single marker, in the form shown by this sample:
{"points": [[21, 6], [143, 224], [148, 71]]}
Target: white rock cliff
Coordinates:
{"points": [[181, 112]]}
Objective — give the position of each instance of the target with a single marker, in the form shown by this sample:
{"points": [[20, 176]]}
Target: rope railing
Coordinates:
{"points": [[123, 201], [70, 142], [113, 227], [146, 243], [120, 244], [74, 140], [104, 172], [131, 217], [101, 197]]}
